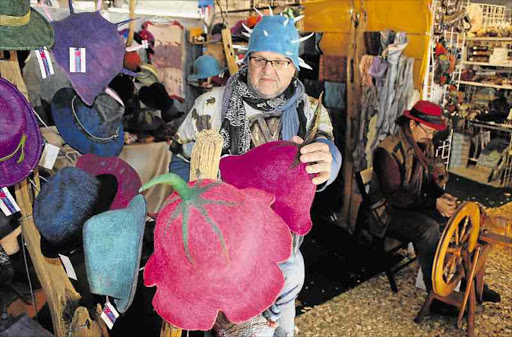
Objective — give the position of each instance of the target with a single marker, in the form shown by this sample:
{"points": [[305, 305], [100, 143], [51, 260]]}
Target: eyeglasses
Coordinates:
{"points": [[427, 132], [259, 62]]}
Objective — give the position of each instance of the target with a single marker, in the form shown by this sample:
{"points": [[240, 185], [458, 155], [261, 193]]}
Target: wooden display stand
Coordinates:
{"points": [[67, 316]]}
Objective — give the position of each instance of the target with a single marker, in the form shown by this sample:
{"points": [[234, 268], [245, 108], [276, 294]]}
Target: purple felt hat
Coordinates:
{"points": [[20, 138], [104, 51], [128, 181]]}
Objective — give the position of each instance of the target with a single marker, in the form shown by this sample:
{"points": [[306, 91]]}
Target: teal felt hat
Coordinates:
{"points": [[23, 28], [205, 66], [112, 247]]}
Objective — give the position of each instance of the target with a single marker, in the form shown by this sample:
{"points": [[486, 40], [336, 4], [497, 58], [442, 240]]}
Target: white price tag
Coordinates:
{"points": [[70, 271], [49, 156], [109, 314], [77, 60], [7, 203]]}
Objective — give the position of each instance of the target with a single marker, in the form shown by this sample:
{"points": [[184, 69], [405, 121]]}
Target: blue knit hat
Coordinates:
{"points": [[113, 246], [277, 34], [65, 202]]}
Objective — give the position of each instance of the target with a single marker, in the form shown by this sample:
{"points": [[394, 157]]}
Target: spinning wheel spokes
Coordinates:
{"points": [[461, 233]]}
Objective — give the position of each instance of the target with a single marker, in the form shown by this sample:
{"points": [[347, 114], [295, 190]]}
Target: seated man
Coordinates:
{"points": [[408, 179], [266, 91]]}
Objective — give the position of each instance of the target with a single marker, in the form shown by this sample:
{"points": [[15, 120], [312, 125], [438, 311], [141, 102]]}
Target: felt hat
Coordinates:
{"points": [[428, 114], [128, 181], [277, 34], [26, 327], [23, 28], [65, 202], [217, 248], [97, 129], [156, 96], [275, 168], [147, 74], [205, 66], [104, 51], [20, 139], [112, 246], [144, 120]]}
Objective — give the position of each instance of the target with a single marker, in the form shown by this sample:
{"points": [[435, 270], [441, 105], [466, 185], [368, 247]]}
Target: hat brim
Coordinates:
{"points": [[63, 117], [435, 126], [128, 181], [138, 208], [37, 33], [11, 172], [199, 76]]}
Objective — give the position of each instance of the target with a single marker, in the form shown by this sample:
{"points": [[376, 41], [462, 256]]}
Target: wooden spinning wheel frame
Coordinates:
{"points": [[459, 238]]}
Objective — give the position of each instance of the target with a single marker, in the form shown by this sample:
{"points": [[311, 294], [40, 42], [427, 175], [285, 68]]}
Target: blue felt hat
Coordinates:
{"points": [[97, 129], [65, 202], [205, 66], [277, 34], [113, 246]]}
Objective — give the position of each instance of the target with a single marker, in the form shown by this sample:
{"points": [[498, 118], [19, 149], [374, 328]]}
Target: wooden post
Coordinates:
{"points": [[131, 31], [355, 52], [59, 291], [228, 51]]}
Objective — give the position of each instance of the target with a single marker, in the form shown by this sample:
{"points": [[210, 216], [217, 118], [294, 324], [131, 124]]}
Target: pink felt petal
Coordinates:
{"points": [[273, 167], [190, 293]]}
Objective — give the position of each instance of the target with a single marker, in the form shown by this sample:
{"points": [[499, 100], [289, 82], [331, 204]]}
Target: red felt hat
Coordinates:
{"points": [[428, 114], [128, 180]]}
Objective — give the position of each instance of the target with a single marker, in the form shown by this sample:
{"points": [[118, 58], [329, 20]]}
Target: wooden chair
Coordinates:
{"points": [[387, 247]]}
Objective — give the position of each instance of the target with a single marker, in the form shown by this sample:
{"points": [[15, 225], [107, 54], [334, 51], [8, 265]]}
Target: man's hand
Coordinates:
{"points": [[319, 159], [446, 205]]}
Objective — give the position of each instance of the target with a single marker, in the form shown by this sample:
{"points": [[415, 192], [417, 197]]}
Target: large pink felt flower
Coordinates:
{"points": [[274, 167], [217, 248]]}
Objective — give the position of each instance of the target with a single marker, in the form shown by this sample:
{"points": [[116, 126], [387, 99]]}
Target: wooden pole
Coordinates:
{"points": [[131, 31], [228, 51], [355, 52]]}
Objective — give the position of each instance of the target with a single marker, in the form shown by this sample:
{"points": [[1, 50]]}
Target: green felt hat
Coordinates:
{"points": [[23, 28]]}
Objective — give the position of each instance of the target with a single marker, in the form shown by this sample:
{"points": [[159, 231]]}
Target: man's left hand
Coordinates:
{"points": [[319, 159]]}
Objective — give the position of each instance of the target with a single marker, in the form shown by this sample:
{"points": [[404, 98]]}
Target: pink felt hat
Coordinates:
{"points": [[275, 167], [217, 248], [20, 139], [128, 181]]}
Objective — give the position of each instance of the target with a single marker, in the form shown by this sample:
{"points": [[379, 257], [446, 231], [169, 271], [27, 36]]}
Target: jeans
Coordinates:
{"points": [[422, 228], [294, 274]]}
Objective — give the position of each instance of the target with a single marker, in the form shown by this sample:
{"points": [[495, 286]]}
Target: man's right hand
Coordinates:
{"points": [[446, 205]]}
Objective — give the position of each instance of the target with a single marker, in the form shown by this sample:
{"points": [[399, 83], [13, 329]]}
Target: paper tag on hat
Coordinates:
{"points": [[45, 62], [7, 202], [68, 266], [49, 156], [77, 60], [109, 314]]}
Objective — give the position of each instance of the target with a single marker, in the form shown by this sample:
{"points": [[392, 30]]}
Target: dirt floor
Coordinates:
{"points": [[372, 310]]}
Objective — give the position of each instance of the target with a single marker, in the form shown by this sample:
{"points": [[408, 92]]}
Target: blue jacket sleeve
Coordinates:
{"points": [[180, 167], [335, 165]]}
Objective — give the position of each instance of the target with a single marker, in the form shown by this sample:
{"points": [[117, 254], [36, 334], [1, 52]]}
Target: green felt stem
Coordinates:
{"points": [[178, 184]]}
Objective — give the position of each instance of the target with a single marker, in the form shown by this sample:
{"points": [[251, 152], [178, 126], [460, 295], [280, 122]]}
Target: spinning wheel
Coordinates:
{"points": [[462, 252], [459, 237]]}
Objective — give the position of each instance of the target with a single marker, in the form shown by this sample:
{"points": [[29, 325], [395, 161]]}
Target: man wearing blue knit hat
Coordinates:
{"points": [[262, 102]]}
